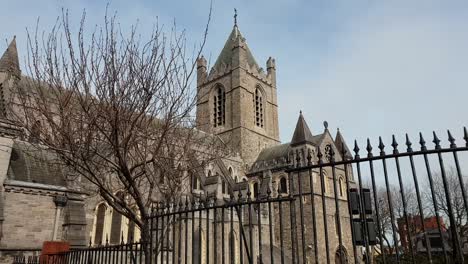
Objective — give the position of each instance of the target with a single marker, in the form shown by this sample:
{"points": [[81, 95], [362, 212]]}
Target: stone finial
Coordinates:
{"points": [[201, 62], [271, 64]]}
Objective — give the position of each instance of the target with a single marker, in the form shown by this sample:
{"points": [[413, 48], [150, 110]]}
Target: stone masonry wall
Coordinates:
{"points": [[29, 220]]}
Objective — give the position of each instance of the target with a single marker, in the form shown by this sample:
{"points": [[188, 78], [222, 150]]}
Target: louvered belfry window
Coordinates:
{"points": [[219, 107], [258, 108]]}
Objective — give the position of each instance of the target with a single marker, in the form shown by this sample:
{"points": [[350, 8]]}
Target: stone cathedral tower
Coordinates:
{"points": [[237, 99]]}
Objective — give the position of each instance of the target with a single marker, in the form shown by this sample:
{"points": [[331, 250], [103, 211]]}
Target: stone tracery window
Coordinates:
{"points": [[219, 107], [258, 105]]}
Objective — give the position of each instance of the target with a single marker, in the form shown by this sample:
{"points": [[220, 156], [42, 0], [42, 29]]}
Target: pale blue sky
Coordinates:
{"points": [[369, 67]]}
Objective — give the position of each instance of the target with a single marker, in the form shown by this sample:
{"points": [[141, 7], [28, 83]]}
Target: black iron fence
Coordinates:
{"points": [[380, 205]]}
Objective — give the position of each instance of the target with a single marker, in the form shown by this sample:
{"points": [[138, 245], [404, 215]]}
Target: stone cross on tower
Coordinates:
{"points": [[235, 17]]}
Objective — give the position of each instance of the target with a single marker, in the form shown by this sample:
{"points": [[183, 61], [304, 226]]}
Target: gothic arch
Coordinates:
{"points": [[283, 184], [219, 105], [100, 220]]}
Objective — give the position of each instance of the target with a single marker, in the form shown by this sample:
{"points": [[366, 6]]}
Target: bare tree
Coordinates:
{"points": [[395, 210], [459, 211], [116, 110]]}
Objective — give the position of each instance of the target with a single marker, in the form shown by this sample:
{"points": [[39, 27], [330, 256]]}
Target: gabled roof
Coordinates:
{"points": [[302, 133], [9, 61], [341, 145], [225, 57]]}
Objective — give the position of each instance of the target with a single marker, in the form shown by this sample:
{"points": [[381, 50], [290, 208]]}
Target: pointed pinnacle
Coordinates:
{"points": [[369, 148], [422, 142], [381, 147], [356, 150], [451, 139], [465, 135], [436, 140], [408, 144], [394, 145]]}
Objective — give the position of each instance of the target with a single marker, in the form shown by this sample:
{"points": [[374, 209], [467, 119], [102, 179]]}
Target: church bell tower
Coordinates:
{"points": [[237, 99]]}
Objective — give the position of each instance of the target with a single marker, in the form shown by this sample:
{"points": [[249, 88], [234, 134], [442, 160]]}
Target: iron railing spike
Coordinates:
{"points": [[356, 150], [422, 142], [465, 135], [356, 147], [394, 145], [309, 156], [369, 148], [298, 158], [436, 140], [319, 155], [451, 139], [408, 143], [381, 147]]}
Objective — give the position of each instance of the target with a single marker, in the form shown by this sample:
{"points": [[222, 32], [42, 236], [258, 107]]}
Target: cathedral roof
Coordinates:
{"points": [[302, 133], [226, 55], [9, 61]]}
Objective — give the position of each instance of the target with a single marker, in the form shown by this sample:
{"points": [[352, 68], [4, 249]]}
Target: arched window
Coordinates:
{"points": [[258, 104], [219, 107], [196, 183], [116, 223], [255, 189], [230, 172], [341, 186], [236, 179], [223, 186], [100, 219], [283, 185]]}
